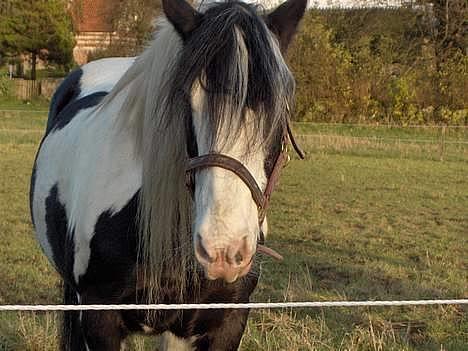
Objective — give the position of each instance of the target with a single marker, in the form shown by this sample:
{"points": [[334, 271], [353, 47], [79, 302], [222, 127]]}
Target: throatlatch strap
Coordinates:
{"points": [[294, 143]]}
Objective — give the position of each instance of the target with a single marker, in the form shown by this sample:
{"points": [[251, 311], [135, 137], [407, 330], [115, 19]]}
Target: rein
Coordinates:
{"points": [[261, 198]]}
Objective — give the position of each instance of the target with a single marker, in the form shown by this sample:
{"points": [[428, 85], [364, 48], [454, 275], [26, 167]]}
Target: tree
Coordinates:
{"points": [[451, 25], [133, 22], [39, 28], [447, 34]]}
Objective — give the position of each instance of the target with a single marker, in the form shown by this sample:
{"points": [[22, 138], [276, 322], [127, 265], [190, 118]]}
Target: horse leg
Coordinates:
{"points": [[223, 336], [72, 338], [102, 330]]}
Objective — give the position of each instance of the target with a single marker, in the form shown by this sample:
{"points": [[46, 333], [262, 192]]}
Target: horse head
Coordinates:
{"points": [[238, 90]]}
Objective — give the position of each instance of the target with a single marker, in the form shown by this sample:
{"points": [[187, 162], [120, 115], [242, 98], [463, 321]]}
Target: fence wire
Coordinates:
{"points": [[253, 305]]}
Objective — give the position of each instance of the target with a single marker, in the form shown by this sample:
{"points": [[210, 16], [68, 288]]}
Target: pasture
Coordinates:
{"points": [[369, 215]]}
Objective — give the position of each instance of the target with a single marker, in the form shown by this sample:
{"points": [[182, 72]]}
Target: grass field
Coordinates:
{"points": [[368, 215]]}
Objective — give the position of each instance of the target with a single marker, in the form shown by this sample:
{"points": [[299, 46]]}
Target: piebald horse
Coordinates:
{"points": [[153, 177]]}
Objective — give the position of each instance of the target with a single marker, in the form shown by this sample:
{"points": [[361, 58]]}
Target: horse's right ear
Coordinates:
{"points": [[284, 20], [182, 15]]}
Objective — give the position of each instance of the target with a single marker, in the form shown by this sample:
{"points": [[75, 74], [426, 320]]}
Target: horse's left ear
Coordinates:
{"points": [[182, 15], [284, 20]]}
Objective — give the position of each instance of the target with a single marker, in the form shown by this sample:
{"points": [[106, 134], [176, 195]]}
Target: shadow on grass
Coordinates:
{"points": [[314, 271]]}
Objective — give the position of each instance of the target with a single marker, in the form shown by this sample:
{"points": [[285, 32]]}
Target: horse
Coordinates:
{"points": [[152, 180]]}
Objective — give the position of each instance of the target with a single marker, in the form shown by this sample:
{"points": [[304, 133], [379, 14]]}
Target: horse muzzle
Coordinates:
{"points": [[227, 272], [227, 263]]}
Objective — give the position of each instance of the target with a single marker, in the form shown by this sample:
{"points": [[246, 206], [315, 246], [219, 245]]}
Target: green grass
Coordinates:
{"points": [[359, 219], [8, 103]]}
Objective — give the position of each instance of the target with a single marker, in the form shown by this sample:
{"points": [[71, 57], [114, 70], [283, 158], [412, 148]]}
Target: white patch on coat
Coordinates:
{"points": [[102, 75], [170, 342], [96, 169]]}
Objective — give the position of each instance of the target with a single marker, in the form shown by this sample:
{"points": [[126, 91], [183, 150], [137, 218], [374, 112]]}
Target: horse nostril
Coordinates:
{"points": [[238, 258], [243, 251], [201, 251]]}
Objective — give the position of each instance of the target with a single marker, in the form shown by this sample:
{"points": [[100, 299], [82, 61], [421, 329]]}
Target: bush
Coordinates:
{"points": [[376, 66], [5, 86], [322, 71], [453, 81]]}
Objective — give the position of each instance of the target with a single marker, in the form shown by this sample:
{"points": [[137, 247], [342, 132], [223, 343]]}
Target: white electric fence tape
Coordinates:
{"points": [[255, 305]]}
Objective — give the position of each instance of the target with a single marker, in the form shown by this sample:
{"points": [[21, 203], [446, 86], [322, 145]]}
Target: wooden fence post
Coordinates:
{"points": [[442, 143]]}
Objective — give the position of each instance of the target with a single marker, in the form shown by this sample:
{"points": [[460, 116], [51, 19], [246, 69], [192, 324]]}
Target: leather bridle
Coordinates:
{"points": [[261, 198]]}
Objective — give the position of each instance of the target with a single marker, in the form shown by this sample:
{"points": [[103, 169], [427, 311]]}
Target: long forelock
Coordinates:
{"points": [[236, 60]]}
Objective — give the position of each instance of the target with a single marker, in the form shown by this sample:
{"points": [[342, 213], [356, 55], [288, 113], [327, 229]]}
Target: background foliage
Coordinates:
{"points": [[39, 28], [133, 21], [399, 65], [379, 65]]}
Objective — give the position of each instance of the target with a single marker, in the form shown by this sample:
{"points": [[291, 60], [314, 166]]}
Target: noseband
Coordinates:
{"points": [[261, 198]]}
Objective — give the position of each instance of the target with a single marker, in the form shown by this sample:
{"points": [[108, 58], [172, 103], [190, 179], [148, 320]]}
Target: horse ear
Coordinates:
{"points": [[182, 15], [284, 20]]}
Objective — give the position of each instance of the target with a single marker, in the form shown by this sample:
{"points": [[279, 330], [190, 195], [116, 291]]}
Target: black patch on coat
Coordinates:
{"points": [[113, 252], [65, 103], [70, 111], [68, 91], [31, 190], [224, 332], [217, 329], [58, 235]]}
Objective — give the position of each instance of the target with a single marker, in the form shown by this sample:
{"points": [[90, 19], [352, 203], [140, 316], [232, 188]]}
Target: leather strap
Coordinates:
{"points": [[261, 199], [223, 161], [231, 164], [272, 181], [294, 143]]}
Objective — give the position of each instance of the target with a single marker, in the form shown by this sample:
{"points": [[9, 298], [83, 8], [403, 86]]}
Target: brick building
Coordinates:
{"points": [[94, 26]]}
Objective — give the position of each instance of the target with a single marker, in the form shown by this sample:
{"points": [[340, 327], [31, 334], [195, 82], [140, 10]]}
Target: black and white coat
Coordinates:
{"points": [[85, 192]]}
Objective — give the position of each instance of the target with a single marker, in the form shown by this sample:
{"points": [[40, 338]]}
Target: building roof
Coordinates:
{"points": [[95, 15]]}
